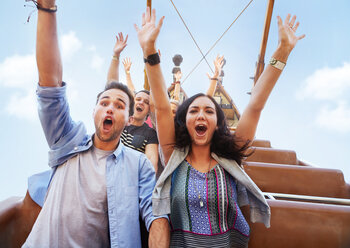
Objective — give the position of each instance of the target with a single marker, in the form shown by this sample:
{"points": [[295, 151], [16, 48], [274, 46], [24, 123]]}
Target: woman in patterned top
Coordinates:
{"points": [[203, 185]]}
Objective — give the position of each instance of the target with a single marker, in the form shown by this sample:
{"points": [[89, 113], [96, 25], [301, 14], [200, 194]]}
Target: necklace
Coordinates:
{"points": [[201, 203]]}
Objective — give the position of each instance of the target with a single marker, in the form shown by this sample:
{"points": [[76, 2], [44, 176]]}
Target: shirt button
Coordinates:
{"points": [[75, 148]]}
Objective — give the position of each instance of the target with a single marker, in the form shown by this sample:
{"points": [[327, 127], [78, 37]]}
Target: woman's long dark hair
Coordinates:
{"points": [[223, 143]]}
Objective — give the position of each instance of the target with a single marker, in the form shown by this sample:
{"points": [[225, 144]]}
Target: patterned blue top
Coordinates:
{"points": [[204, 210]]}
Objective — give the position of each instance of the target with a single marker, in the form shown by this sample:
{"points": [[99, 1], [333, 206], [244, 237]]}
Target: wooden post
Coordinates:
{"points": [[146, 84], [149, 4], [261, 57]]}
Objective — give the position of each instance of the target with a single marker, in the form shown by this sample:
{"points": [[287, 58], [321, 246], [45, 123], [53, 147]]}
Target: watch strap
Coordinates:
{"points": [[277, 64], [152, 59]]}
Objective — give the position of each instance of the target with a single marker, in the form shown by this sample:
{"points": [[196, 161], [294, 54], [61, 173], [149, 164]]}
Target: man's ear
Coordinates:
{"points": [[131, 118]]}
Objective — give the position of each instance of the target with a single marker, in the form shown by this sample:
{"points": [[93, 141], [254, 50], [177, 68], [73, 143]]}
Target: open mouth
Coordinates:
{"points": [[139, 109], [107, 123], [201, 129]]}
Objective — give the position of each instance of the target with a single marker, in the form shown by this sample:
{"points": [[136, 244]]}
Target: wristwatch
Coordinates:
{"points": [[152, 59], [277, 64]]}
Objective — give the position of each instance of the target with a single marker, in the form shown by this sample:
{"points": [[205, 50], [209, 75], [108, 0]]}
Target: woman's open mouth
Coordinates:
{"points": [[200, 129]]}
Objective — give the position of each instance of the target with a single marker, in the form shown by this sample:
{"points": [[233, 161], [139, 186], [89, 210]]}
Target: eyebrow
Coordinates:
{"points": [[118, 98], [205, 107]]}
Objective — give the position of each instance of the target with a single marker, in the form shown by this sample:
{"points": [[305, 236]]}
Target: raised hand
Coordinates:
{"points": [[127, 64], [218, 64], [120, 44], [286, 32], [46, 3], [149, 31]]}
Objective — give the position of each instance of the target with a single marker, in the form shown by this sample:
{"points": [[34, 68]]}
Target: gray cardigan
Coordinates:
{"points": [[248, 193]]}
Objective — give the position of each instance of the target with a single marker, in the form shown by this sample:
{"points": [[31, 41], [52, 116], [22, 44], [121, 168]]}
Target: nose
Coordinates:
{"points": [[110, 109], [200, 115]]}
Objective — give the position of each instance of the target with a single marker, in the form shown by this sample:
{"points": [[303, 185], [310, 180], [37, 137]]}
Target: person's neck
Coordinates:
{"points": [[200, 158], [106, 146], [138, 123]]}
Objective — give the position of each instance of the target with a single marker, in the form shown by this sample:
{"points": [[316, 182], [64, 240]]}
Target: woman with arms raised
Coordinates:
{"points": [[203, 185]]}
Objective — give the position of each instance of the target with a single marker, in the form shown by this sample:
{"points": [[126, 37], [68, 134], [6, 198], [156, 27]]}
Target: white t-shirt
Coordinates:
{"points": [[75, 211]]}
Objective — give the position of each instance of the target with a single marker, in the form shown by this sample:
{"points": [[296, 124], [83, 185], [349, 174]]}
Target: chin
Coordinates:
{"points": [[200, 142]]}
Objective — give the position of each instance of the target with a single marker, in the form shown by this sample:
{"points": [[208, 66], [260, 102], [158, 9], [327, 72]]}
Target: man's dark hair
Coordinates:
{"points": [[122, 87], [144, 91], [223, 142]]}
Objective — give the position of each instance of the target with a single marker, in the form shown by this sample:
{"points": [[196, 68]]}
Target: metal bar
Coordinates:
{"points": [[269, 196], [261, 57], [341, 201]]}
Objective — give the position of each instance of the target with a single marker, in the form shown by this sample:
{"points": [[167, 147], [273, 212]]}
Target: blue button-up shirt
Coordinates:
{"points": [[130, 177]]}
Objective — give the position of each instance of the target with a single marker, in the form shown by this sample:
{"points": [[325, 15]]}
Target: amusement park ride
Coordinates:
{"points": [[310, 206]]}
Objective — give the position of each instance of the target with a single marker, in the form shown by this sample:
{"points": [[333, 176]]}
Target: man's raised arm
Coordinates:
{"points": [[47, 52]]}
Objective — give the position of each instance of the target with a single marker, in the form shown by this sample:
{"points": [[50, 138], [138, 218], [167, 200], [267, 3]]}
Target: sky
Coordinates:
{"points": [[308, 110]]}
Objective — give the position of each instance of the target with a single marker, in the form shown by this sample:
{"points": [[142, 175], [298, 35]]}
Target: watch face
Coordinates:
{"points": [[153, 59], [273, 61]]}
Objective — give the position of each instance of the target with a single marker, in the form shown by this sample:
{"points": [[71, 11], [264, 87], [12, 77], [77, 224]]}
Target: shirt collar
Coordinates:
{"points": [[119, 149], [117, 152]]}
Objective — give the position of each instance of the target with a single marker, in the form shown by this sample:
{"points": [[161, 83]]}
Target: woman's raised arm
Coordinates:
{"points": [[248, 122], [147, 35]]}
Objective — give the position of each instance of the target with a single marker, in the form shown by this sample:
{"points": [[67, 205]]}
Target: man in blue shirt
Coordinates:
{"points": [[98, 187]]}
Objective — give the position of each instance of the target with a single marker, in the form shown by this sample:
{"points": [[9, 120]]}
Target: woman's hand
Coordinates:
{"points": [[149, 31], [286, 33]]}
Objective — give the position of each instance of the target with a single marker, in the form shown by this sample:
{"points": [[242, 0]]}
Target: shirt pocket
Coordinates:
{"points": [[138, 141]]}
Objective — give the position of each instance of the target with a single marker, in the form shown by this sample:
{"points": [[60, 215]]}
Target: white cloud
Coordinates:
{"points": [[70, 44], [92, 48], [97, 62], [18, 71], [23, 106], [332, 87], [335, 118], [327, 83]]}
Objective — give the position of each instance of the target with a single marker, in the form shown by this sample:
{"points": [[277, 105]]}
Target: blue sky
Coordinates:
{"points": [[308, 111]]}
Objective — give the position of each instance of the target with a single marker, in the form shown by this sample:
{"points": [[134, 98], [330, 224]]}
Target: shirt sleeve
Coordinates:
{"points": [[54, 113], [147, 181], [61, 132], [38, 185], [152, 136]]}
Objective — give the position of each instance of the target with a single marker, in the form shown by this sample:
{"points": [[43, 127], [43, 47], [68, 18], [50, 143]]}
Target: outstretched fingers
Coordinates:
{"points": [[160, 23], [286, 21], [291, 24], [153, 16], [143, 22], [148, 15], [301, 37], [279, 21]]}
